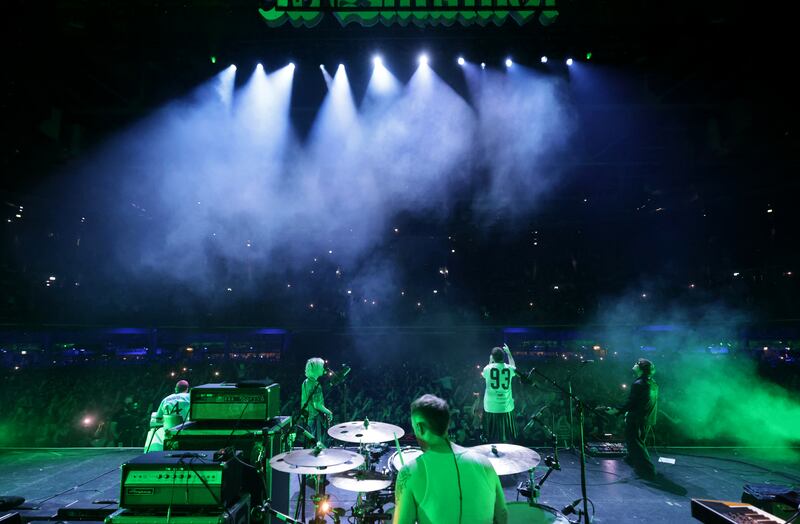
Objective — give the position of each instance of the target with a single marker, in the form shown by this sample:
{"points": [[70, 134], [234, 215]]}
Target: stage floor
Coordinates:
{"points": [[50, 479]]}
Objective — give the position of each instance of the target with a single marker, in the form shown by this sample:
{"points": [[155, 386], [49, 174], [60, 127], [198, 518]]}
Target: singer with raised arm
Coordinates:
{"points": [[499, 424], [312, 402], [640, 413]]}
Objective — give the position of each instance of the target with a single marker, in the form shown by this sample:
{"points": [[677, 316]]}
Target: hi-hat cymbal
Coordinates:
{"points": [[365, 431], [361, 480], [316, 462], [508, 459]]}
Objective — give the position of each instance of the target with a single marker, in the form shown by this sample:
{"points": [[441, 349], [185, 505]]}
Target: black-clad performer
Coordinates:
{"points": [[640, 415]]}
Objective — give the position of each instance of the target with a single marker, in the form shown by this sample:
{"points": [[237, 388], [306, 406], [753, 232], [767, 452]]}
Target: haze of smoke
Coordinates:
{"points": [[216, 189], [715, 396]]}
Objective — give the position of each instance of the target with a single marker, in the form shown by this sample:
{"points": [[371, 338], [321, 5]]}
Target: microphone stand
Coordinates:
{"points": [[571, 406], [551, 462], [580, 404]]}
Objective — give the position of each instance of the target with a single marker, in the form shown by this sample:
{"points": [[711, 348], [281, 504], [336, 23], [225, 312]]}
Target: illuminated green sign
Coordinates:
{"points": [[308, 13]]}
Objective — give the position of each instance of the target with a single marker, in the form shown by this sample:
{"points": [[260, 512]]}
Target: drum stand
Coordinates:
{"points": [[266, 507], [368, 508], [319, 498]]}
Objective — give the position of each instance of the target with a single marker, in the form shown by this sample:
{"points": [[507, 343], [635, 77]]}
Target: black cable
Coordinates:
{"points": [[235, 426], [208, 487], [458, 477], [72, 488]]}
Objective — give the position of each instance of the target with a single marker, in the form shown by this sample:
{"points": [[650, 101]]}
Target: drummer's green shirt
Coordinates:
{"points": [[434, 481]]}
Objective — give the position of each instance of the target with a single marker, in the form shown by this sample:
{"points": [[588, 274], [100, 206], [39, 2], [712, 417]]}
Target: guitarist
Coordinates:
{"points": [[640, 415]]}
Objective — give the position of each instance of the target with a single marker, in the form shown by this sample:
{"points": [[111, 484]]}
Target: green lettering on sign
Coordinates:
{"points": [[308, 13]]}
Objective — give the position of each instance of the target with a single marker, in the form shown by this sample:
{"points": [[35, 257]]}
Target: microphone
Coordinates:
{"points": [[533, 418], [567, 510], [339, 377]]}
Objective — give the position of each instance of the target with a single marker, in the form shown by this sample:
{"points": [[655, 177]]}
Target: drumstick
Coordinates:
{"points": [[399, 453]]}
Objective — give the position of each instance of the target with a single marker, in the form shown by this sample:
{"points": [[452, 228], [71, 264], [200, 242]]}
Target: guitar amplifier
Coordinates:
{"points": [[238, 513], [234, 402], [180, 479], [257, 441]]}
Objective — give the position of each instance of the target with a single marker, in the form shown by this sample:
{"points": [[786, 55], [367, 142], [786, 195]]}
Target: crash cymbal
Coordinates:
{"points": [[316, 462], [508, 459], [365, 431], [361, 480]]}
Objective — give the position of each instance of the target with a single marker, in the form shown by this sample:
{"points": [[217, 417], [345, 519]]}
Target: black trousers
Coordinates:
{"points": [[638, 456]]}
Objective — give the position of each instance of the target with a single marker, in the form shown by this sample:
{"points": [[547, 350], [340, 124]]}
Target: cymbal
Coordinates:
{"points": [[508, 459], [365, 431], [361, 480], [311, 462]]}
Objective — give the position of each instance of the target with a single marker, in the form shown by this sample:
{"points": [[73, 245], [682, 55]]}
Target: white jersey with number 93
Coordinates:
{"points": [[498, 397]]}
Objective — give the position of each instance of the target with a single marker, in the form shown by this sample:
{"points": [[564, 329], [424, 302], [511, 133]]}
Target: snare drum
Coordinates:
{"points": [[524, 513], [410, 454]]}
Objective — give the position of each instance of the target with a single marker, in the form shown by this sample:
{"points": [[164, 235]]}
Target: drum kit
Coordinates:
{"points": [[359, 472]]}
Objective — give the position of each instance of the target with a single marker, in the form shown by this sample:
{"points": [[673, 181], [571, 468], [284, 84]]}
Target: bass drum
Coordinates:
{"points": [[410, 454], [524, 513]]}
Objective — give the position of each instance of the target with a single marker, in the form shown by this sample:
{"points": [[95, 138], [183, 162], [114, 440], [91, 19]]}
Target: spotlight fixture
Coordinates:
{"points": [[543, 60], [423, 59], [233, 66], [322, 66], [509, 63], [569, 61], [483, 65], [259, 66], [377, 61], [341, 66], [461, 61], [291, 65]]}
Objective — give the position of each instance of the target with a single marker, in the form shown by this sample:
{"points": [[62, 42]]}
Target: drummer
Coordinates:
{"points": [[316, 415], [447, 484]]}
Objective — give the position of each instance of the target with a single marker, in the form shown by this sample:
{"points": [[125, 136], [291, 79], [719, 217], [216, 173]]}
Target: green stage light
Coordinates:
{"points": [[213, 59], [589, 55]]}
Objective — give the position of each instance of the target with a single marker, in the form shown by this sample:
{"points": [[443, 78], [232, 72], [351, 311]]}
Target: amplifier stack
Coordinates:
{"points": [[214, 466]]}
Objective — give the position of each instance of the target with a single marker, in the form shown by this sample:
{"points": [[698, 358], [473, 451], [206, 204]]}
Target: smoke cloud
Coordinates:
{"points": [[216, 190], [710, 384]]}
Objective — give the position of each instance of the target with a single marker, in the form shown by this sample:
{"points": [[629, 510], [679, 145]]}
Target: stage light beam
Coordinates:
{"points": [[461, 61], [377, 61], [509, 62], [569, 61], [423, 59]]}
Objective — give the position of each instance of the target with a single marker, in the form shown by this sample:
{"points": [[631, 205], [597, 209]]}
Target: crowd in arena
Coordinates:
{"points": [[109, 403]]}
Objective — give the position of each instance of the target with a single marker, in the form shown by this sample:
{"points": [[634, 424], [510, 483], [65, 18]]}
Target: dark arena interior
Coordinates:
{"points": [[435, 261]]}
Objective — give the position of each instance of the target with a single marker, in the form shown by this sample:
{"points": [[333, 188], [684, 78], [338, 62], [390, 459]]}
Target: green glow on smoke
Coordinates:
{"points": [[718, 399]]}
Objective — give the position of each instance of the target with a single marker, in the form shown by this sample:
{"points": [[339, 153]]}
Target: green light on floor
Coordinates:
{"points": [[589, 55], [213, 59]]}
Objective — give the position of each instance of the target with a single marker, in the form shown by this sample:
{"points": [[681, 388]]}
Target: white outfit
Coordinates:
{"points": [[498, 397], [173, 410], [173, 407]]}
